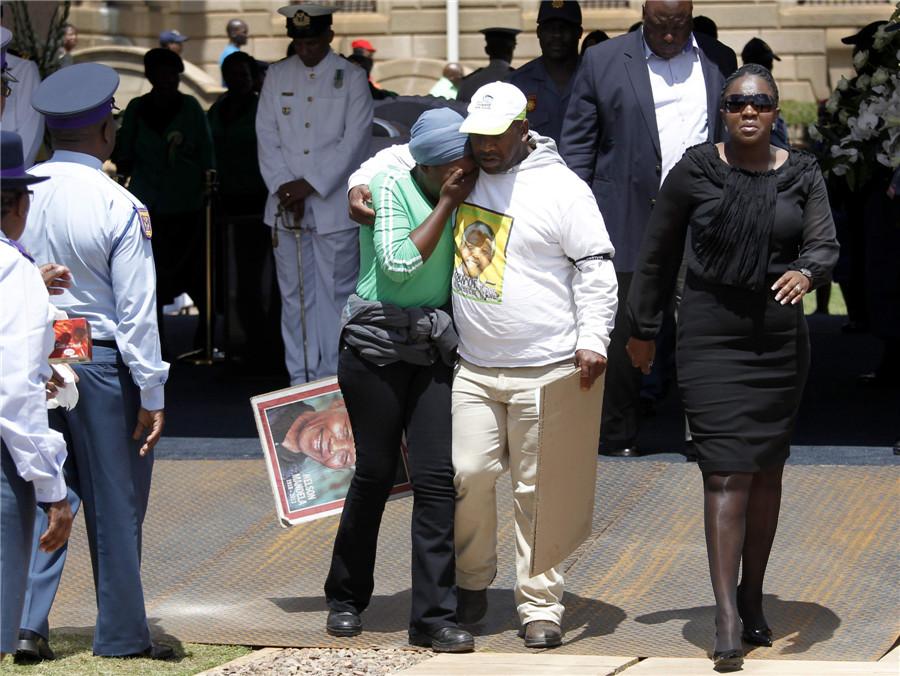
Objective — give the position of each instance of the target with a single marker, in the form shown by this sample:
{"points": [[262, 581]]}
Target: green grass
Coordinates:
{"points": [[799, 112], [836, 304], [75, 657]]}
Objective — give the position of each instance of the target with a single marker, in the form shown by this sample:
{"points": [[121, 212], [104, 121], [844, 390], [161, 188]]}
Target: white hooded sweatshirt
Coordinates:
{"points": [[533, 279]]}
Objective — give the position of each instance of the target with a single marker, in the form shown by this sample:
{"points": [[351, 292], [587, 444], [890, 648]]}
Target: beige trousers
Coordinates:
{"points": [[495, 428]]}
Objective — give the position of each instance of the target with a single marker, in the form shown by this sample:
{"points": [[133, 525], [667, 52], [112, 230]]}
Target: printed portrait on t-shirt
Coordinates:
{"points": [[481, 238]]}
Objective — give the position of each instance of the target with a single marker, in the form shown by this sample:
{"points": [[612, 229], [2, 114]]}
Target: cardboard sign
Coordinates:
{"points": [[568, 436]]}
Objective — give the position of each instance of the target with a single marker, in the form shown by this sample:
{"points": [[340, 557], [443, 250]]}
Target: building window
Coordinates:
{"points": [[604, 4], [354, 5], [843, 2]]}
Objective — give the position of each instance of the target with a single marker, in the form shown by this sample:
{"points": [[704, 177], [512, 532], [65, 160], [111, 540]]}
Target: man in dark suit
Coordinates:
{"points": [[637, 103]]}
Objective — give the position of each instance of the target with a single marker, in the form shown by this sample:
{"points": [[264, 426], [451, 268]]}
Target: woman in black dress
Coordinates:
{"points": [[761, 238]]}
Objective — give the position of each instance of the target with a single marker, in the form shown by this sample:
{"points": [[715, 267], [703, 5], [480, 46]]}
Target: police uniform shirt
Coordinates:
{"points": [[546, 109], [18, 115], [497, 69], [84, 220], [314, 123], [26, 339]]}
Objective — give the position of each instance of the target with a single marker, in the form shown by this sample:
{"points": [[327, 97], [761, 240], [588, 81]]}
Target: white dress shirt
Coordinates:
{"points": [[26, 340], [679, 96], [18, 115], [86, 221]]}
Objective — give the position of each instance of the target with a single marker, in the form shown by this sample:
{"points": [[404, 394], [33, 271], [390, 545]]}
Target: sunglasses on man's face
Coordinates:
{"points": [[762, 103]]}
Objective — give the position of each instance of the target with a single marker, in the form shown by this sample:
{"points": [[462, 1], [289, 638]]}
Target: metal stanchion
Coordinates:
{"points": [[207, 354], [286, 218]]}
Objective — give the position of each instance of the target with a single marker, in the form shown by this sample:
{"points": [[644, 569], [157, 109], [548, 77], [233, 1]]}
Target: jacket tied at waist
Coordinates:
{"points": [[384, 333]]}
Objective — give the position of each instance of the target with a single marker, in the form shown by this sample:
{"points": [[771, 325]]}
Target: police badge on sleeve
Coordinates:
{"points": [[144, 218]]}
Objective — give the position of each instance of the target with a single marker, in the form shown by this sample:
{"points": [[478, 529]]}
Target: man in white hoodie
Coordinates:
{"points": [[543, 300], [554, 304]]}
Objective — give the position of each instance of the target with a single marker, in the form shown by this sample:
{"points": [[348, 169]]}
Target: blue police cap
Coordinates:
{"points": [[12, 163], [77, 96], [567, 10]]}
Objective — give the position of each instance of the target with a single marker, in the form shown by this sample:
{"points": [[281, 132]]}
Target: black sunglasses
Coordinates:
{"points": [[762, 103]]}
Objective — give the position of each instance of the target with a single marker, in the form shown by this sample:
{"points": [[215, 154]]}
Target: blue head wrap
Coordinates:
{"points": [[436, 138]]}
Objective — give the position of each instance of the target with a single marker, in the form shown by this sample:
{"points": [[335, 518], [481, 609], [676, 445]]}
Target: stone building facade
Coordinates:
{"points": [[410, 35]]}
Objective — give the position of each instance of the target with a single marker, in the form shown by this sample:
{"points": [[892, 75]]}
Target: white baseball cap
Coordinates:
{"points": [[493, 108]]}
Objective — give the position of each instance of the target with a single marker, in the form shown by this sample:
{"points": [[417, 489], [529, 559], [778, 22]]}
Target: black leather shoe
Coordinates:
{"points": [[156, 651], [343, 623], [761, 637], [443, 640], [728, 660], [542, 634], [618, 450], [32, 647], [471, 605]]}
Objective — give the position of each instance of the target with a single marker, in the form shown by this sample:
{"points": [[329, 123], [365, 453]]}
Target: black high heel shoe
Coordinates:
{"points": [[759, 637], [728, 660]]}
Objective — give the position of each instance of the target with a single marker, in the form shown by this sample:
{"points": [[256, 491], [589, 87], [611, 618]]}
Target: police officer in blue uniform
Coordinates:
{"points": [[499, 45], [31, 454], [85, 221], [547, 80]]}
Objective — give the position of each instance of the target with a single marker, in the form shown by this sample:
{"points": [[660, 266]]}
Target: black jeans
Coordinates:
{"points": [[382, 402]]}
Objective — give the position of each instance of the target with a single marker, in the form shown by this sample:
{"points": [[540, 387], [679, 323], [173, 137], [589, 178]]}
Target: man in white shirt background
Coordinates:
{"points": [[313, 127]]}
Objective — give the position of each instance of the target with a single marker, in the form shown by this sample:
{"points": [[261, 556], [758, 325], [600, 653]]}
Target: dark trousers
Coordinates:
{"points": [[621, 417], [17, 509], [382, 402], [111, 482]]}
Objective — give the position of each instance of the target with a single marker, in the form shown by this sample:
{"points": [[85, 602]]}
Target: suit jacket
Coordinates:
{"points": [[610, 138]]}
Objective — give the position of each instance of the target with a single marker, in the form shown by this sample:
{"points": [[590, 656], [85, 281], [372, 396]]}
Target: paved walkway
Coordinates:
{"points": [[548, 664]]}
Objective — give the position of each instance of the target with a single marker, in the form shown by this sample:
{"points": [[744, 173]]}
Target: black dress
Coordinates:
{"points": [[742, 356]]}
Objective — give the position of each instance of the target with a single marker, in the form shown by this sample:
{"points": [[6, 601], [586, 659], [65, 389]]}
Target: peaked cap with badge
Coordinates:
{"points": [[558, 9], [307, 21], [77, 96]]}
